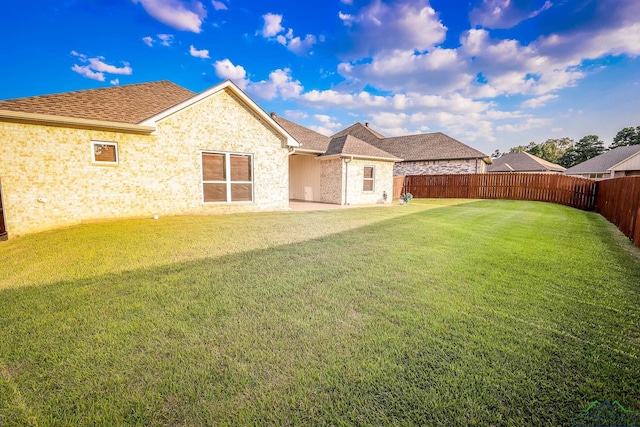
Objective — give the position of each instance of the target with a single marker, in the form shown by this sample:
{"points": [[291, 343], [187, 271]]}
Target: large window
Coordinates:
{"points": [[104, 152], [369, 178], [227, 177]]}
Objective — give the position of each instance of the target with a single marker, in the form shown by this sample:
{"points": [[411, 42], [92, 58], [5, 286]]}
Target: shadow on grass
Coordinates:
{"points": [[409, 320]]}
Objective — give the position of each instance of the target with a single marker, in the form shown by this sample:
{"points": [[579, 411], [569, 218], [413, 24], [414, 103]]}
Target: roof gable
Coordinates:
{"points": [[349, 145], [362, 132], [130, 104], [522, 161], [605, 161]]}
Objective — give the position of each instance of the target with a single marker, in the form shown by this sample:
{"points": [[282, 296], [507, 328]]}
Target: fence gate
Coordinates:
{"points": [[3, 226]]}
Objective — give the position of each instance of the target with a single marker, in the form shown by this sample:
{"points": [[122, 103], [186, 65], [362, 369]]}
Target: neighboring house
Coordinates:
{"points": [[423, 154], [138, 150], [621, 161], [342, 170], [523, 162]]}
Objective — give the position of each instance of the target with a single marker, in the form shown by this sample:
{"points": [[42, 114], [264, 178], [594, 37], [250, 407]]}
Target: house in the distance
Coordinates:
{"points": [[423, 154], [621, 161], [523, 162]]}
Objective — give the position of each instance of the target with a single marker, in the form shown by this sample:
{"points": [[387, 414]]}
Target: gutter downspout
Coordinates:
{"points": [[346, 178]]}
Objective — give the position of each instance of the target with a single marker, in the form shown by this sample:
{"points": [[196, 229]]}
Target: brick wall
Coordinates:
{"points": [[439, 167], [383, 173], [331, 181], [49, 179]]}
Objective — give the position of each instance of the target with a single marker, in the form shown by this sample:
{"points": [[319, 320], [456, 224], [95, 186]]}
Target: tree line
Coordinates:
{"points": [[566, 152]]}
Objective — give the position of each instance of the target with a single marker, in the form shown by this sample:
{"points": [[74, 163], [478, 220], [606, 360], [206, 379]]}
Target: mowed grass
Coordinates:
{"points": [[442, 312]]}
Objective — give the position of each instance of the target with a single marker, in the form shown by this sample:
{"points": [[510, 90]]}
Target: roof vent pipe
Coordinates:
{"points": [[273, 115], [366, 124]]}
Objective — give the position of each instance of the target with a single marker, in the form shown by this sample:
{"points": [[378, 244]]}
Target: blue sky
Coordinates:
{"points": [[492, 73]]}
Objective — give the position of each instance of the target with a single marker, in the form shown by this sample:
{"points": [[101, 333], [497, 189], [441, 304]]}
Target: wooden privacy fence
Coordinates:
{"points": [[618, 201], [565, 190]]}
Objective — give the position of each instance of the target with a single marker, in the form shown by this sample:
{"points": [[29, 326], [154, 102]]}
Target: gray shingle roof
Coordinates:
{"points": [[351, 146], [605, 161], [521, 161], [125, 104], [362, 132], [308, 139], [428, 146]]}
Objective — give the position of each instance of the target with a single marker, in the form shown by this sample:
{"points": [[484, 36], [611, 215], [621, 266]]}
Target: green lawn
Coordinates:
{"points": [[442, 312]]}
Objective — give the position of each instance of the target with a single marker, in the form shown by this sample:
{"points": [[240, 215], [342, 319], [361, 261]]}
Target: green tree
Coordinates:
{"points": [[568, 158], [627, 136], [552, 149], [588, 147]]}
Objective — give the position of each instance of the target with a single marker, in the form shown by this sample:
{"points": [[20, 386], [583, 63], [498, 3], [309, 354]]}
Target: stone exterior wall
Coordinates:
{"points": [[383, 182], [331, 181], [439, 167], [49, 179]]}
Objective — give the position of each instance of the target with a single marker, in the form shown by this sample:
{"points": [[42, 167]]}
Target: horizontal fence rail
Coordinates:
{"points": [[618, 201], [565, 190]]}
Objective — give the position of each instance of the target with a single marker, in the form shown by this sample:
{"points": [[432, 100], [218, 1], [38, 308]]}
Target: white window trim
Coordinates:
{"points": [[228, 182], [93, 152], [373, 179]]}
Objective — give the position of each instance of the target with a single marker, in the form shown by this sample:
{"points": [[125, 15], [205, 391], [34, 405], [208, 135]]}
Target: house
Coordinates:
{"points": [[423, 154], [138, 150], [620, 161], [341, 170], [523, 162]]}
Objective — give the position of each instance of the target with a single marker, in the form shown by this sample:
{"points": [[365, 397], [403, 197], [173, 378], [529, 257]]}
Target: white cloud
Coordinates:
{"points": [[96, 64], [295, 114], [505, 13], [86, 71], [280, 84], [226, 70], [176, 14], [114, 82], [167, 39], [538, 102], [204, 53], [273, 28], [96, 68], [218, 5], [272, 25], [148, 41], [527, 124]]}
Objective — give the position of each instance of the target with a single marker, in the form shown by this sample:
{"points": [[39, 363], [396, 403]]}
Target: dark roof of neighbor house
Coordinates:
{"points": [[349, 145], [605, 161], [308, 139], [521, 161], [124, 104], [428, 146]]}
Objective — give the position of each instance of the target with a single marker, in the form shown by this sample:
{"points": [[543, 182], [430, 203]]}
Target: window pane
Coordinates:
{"points": [[241, 192], [215, 192], [213, 167], [240, 168], [104, 153], [368, 185], [368, 172]]}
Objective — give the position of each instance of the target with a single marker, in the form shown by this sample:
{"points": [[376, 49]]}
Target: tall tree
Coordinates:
{"points": [[552, 149], [588, 147], [627, 136]]}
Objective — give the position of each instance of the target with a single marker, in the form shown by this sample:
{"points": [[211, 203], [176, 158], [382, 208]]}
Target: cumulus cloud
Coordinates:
{"points": [[96, 68], [148, 41], [218, 5], [273, 29], [204, 53], [295, 114], [399, 25], [279, 85], [225, 69], [114, 82], [165, 39], [176, 13], [272, 25]]}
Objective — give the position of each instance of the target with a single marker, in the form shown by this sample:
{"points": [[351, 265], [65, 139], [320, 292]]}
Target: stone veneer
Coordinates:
{"points": [[338, 175], [49, 180], [440, 167]]}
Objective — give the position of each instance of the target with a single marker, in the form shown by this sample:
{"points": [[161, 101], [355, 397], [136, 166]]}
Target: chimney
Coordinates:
{"points": [[366, 124]]}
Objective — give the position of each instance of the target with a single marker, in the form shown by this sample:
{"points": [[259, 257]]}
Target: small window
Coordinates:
{"points": [[227, 177], [104, 152], [368, 179]]}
